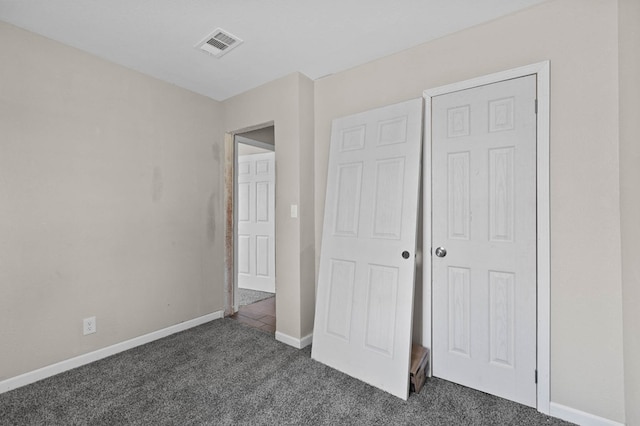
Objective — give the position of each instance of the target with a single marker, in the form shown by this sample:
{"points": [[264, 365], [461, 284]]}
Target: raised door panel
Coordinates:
{"points": [[459, 304], [262, 202], [458, 195], [352, 138], [502, 318], [387, 221], [340, 306], [347, 208], [244, 254], [382, 294], [262, 255], [244, 202], [391, 132], [501, 194]]}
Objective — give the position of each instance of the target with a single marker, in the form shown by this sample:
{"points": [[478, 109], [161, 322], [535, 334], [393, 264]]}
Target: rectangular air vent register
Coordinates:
{"points": [[219, 43]]}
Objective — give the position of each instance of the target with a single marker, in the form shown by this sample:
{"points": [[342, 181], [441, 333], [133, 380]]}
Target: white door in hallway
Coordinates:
{"points": [[365, 287], [256, 222], [484, 238]]}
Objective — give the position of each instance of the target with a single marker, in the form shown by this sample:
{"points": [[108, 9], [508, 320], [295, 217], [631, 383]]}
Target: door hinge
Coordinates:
{"points": [[536, 376], [536, 101]]}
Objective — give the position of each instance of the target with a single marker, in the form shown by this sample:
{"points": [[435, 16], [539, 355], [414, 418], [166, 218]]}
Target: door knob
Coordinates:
{"points": [[405, 254], [441, 252]]}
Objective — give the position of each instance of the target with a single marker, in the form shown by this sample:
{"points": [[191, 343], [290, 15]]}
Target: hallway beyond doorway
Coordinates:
{"points": [[260, 315]]}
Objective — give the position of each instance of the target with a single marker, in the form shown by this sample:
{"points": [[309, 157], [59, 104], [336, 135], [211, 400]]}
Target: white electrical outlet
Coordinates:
{"points": [[89, 325]]}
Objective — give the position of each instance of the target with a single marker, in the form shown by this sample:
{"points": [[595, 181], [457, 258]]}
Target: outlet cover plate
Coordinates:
{"points": [[89, 325]]}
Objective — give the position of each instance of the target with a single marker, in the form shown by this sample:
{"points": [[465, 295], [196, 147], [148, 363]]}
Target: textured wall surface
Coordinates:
{"points": [[629, 30], [109, 203]]}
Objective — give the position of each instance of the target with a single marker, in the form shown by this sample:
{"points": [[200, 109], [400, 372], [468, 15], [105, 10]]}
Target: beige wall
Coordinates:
{"points": [[579, 37], [265, 134], [288, 104], [629, 30], [109, 203], [307, 213]]}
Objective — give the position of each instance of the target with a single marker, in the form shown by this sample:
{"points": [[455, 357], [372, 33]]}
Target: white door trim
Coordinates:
{"points": [[230, 153], [541, 70]]}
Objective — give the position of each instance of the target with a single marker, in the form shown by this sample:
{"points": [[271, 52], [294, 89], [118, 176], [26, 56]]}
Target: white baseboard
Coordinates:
{"points": [[292, 341], [579, 417], [68, 364]]}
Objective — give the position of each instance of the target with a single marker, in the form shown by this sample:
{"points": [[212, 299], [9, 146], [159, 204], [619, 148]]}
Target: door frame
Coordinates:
{"points": [[230, 212], [542, 72]]}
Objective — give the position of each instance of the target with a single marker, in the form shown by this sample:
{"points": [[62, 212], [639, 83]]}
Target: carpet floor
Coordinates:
{"points": [[222, 373], [247, 297]]}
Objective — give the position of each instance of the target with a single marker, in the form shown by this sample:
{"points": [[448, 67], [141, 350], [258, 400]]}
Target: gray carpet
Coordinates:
{"points": [[247, 297], [223, 373]]}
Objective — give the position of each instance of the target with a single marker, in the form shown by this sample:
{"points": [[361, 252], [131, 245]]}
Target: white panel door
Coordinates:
{"points": [[365, 287], [256, 259], [484, 216]]}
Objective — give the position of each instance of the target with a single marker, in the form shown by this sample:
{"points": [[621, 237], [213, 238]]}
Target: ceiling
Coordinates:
{"points": [[317, 38]]}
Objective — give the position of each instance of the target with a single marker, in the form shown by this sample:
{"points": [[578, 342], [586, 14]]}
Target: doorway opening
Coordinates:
{"points": [[251, 288]]}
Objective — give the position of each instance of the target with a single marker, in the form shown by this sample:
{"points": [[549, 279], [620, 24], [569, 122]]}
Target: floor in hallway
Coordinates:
{"points": [[260, 315]]}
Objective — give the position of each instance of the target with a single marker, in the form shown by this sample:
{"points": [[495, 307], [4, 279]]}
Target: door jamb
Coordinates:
{"points": [[542, 72], [229, 215]]}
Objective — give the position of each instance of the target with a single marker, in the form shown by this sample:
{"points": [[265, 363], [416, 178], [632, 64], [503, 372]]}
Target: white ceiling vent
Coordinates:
{"points": [[219, 42]]}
